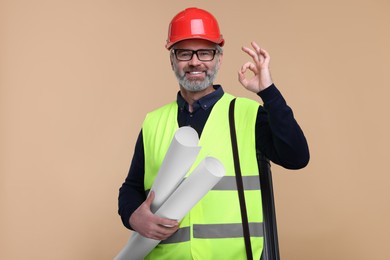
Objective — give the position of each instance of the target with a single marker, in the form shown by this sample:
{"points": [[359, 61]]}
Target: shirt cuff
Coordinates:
{"points": [[269, 93]]}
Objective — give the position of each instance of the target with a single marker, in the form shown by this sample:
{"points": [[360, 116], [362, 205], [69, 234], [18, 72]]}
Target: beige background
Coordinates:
{"points": [[77, 78]]}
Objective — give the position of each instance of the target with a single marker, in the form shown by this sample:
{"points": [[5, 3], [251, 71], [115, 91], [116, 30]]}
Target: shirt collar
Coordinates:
{"points": [[205, 102]]}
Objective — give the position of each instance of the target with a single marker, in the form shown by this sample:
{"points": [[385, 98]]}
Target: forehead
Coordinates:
{"points": [[194, 44]]}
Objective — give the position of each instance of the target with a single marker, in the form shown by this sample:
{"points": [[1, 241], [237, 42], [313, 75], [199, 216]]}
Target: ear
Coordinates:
{"points": [[171, 60], [220, 58]]}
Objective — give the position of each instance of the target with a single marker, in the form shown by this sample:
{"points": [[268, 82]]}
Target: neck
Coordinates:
{"points": [[191, 97]]}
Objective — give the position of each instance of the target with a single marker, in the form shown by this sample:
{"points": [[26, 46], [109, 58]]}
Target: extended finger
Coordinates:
{"points": [[256, 47], [262, 53], [265, 54], [259, 51], [251, 53]]}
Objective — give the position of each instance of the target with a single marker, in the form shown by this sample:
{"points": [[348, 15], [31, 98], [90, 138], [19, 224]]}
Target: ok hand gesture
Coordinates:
{"points": [[260, 68]]}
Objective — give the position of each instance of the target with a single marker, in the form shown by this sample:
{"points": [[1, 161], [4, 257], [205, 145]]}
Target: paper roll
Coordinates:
{"points": [[205, 176], [208, 173], [178, 160]]}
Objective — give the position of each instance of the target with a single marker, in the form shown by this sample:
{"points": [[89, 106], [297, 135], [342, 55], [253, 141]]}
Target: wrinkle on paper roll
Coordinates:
{"points": [[205, 176]]}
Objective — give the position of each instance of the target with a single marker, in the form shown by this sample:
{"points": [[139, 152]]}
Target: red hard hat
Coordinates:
{"points": [[194, 23]]}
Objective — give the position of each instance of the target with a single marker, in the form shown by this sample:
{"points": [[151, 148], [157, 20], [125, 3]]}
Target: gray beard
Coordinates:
{"points": [[196, 86]]}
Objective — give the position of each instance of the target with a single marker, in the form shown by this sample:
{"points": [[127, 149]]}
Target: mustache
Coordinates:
{"points": [[195, 70]]}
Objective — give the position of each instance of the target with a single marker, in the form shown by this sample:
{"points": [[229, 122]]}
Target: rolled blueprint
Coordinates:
{"points": [[178, 160], [205, 176]]}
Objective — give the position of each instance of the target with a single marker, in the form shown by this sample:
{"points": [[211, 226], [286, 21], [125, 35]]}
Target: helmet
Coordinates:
{"points": [[193, 23]]}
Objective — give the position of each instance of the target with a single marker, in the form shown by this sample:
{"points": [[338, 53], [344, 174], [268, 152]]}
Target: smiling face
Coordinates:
{"points": [[195, 75]]}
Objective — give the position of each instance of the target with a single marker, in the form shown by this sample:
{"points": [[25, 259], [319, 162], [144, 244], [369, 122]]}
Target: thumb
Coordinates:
{"points": [[149, 199]]}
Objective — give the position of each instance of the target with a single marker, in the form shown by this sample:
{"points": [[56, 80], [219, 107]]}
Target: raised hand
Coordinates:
{"points": [[260, 68]]}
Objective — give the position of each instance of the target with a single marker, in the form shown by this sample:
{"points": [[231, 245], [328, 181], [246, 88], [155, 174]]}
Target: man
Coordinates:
{"points": [[196, 54]]}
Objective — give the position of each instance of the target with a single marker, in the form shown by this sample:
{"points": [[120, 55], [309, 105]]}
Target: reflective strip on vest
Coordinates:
{"points": [[214, 231], [181, 235], [226, 230]]}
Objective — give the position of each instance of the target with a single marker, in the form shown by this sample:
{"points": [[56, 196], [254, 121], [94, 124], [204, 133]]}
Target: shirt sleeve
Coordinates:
{"points": [[278, 135], [131, 193]]}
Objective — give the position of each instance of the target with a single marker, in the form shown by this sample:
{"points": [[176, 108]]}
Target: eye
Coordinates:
{"points": [[205, 53], [184, 54]]}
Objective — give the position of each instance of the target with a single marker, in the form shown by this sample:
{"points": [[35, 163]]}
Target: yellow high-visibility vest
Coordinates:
{"points": [[213, 228]]}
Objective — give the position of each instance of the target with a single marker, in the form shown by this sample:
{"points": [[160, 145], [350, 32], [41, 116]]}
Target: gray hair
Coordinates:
{"points": [[219, 48]]}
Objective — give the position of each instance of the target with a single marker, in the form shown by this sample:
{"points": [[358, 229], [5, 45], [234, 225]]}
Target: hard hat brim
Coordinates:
{"points": [[219, 41]]}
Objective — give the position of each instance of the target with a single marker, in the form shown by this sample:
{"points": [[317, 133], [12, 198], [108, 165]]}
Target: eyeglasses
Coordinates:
{"points": [[202, 54]]}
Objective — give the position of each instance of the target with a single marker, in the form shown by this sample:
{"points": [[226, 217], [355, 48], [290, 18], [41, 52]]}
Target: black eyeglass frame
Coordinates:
{"points": [[214, 51]]}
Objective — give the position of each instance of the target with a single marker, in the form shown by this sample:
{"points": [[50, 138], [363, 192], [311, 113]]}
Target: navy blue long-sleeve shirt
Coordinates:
{"points": [[278, 137]]}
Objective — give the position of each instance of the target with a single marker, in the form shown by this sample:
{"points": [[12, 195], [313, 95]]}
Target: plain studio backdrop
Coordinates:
{"points": [[77, 78]]}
